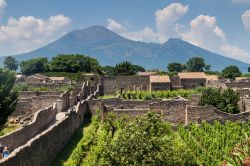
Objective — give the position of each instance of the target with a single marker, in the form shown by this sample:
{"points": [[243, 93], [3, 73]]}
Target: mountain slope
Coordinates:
{"points": [[110, 48]]}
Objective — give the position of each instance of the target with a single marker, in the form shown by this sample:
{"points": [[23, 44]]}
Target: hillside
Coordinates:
{"points": [[110, 48]]}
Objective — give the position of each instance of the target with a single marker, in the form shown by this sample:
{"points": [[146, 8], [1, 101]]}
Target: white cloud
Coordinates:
{"points": [[3, 4], [245, 17], [28, 33], [241, 1], [202, 31], [146, 34], [166, 19], [205, 32], [115, 26], [166, 24]]}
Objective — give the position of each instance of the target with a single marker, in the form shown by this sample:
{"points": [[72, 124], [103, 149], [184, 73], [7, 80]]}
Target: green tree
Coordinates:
{"points": [[146, 141], [124, 69], [10, 63], [175, 67], [196, 64], [226, 101], [231, 71], [138, 68], [108, 70], [248, 69], [74, 63], [207, 67], [7, 97], [35, 65]]}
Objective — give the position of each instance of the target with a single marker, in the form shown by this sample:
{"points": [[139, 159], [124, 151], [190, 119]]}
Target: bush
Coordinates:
{"points": [[8, 98], [226, 101]]}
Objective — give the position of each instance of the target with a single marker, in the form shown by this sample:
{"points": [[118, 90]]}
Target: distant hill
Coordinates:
{"points": [[110, 48]]}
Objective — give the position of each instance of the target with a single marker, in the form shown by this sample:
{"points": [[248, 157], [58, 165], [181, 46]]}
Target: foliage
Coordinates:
{"points": [[248, 69], [175, 67], [8, 98], [81, 150], [73, 63], [196, 64], [108, 70], [149, 95], [240, 154], [231, 71], [6, 129], [35, 65], [211, 144], [10, 63], [78, 77], [226, 101], [148, 140], [126, 69], [25, 87]]}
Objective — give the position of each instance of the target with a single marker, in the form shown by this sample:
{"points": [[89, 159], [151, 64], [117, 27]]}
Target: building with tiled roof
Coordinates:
{"points": [[190, 80], [159, 82]]}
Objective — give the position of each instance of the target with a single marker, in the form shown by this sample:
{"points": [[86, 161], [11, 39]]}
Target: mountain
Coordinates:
{"points": [[110, 48]]}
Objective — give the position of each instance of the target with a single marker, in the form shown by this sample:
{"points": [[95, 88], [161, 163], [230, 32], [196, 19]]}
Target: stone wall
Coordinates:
{"points": [[173, 110], [42, 148], [239, 85], [210, 114], [111, 85], [192, 83], [41, 120], [23, 107]]}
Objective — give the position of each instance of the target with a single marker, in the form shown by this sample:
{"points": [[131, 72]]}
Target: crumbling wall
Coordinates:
{"points": [[111, 85], [42, 148], [239, 85], [210, 114], [41, 120]]}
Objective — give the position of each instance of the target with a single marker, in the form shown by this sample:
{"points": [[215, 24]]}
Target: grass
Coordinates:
{"points": [[26, 87], [9, 128], [71, 145], [107, 97]]}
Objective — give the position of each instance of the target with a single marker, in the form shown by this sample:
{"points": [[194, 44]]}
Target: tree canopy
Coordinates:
{"points": [[126, 69], [231, 71], [73, 63], [34, 65], [7, 97], [175, 67], [10, 63], [196, 64]]}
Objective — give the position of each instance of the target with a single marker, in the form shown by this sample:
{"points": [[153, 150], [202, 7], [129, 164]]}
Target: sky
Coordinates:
{"points": [[221, 26]]}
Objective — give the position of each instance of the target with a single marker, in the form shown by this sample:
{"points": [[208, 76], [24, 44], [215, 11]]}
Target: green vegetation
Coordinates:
{"points": [[148, 140], [6, 129], [123, 69], [78, 77], [148, 95], [8, 98], [231, 72], [10, 63], [175, 67], [25, 87], [74, 63], [196, 64], [226, 101], [35, 65]]}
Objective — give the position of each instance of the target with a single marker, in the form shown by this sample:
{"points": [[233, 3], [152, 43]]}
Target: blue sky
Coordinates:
{"points": [[222, 26]]}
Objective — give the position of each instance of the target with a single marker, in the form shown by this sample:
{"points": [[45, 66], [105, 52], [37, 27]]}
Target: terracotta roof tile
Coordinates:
{"points": [[192, 75], [159, 78]]}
